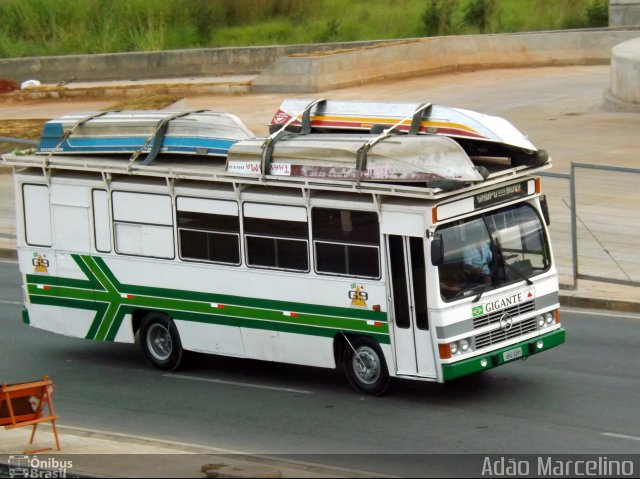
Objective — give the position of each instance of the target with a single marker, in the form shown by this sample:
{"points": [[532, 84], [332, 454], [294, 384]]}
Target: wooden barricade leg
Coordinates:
{"points": [[35, 426], [53, 421], [39, 414]]}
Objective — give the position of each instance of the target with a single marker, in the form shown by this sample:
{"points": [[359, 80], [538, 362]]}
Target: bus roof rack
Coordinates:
{"points": [[180, 146]]}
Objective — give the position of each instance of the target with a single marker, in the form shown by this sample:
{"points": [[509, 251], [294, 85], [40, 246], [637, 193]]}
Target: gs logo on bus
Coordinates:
{"points": [[358, 296], [41, 263]]}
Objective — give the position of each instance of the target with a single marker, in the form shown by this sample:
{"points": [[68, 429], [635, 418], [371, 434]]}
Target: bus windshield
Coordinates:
{"points": [[492, 250]]}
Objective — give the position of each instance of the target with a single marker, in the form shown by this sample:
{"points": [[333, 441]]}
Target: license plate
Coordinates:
{"points": [[513, 354]]}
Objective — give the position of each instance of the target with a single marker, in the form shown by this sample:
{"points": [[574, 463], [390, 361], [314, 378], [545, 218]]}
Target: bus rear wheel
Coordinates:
{"points": [[160, 342], [365, 366]]}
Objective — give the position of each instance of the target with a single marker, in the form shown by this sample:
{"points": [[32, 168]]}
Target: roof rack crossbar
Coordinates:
{"points": [[270, 142], [67, 133], [305, 128], [416, 118], [158, 137]]}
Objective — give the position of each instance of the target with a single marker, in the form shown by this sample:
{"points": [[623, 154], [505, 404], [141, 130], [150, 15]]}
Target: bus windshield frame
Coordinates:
{"points": [[492, 250]]}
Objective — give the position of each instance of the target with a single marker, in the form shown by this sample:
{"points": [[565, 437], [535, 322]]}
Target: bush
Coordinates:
{"points": [[598, 13], [438, 17], [477, 13], [63, 27]]}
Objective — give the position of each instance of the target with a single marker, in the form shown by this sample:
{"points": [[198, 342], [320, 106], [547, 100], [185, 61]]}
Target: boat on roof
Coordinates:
{"points": [[143, 132], [322, 139], [480, 135], [437, 162]]}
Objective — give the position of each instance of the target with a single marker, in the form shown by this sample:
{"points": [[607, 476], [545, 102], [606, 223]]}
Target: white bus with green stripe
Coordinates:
{"points": [[184, 255]]}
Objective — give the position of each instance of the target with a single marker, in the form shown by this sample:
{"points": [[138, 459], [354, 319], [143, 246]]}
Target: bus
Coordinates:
{"points": [[391, 254]]}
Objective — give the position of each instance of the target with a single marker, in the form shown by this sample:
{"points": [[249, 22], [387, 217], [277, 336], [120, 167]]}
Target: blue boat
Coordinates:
{"points": [[143, 134]]}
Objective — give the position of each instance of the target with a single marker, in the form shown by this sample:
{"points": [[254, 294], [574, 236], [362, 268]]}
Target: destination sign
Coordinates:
{"points": [[500, 195]]}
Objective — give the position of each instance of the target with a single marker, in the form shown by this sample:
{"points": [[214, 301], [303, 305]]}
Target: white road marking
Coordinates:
{"points": [[19, 303], [236, 383], [592, 312], [620, 436]]}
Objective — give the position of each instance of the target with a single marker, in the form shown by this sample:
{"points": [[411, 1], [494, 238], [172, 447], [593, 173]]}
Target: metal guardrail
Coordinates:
{"points": [[604, 235], [611, 218]]}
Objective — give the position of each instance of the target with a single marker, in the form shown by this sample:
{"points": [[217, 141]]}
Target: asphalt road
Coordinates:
{"points": [[579, 398]]}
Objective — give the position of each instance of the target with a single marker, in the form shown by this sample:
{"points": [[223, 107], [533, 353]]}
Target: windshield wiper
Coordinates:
{"points": [[504, 262], [481, 289]]}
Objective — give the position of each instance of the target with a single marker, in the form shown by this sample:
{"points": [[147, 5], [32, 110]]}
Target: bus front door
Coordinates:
{"points": [[408, 306]]}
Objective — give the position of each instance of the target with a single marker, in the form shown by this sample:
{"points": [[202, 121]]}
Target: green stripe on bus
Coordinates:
{"points": [[112, 301]]}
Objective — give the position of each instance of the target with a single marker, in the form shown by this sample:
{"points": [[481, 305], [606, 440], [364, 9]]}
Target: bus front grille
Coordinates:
{"points": [[513, 311], [498, 335]]}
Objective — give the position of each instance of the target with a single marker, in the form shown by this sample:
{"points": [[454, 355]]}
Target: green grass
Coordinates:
{"points": [[62, 27]]}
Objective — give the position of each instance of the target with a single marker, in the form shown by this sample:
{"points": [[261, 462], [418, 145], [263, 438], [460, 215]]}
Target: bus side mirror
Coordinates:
{"points": [[437, 251], [545, 209]]}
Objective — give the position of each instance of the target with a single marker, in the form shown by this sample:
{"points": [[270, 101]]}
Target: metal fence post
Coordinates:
{"points": [[574, 224]]}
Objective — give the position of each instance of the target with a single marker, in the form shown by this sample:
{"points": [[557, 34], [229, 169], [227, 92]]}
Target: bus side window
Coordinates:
{"points": [[143, 224], [208, 230], [346, 242], [101, 221], [276, 236], [37, 215]]}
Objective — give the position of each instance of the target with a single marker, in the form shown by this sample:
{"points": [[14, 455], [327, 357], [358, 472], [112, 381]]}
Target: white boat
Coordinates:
{"points": [[480, 135], [438, 162]]}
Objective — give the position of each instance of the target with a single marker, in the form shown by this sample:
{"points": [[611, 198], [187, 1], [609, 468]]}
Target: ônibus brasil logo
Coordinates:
{"points": [[32, 466]]}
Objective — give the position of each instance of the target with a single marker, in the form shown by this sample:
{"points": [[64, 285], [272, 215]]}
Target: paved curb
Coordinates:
{"points": [[101, 91], [8, 253], [599, 303]]}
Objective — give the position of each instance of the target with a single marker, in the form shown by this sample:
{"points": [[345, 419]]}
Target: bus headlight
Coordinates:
{"points": [[454, 348], [549, 317], [464, 345], [541, 321]]}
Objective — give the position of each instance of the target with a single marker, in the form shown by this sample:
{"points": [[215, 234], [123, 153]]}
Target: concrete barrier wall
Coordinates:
{"points": [[165, 64], [624, 12], [314, 73], [313, 67], [624, 92]]}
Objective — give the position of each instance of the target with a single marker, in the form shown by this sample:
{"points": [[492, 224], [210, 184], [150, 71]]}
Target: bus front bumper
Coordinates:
{"points": [[505, 355]]}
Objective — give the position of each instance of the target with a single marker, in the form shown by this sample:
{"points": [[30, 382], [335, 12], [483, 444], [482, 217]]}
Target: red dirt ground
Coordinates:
{"points": [[7, 86]]}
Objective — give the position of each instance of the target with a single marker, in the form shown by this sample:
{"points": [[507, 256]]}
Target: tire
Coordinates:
{"points": [[160, 342], [367, 371]]}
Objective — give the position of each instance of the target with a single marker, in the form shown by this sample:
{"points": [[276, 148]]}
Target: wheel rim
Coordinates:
{"points": [[159, 342], [366, 365]]}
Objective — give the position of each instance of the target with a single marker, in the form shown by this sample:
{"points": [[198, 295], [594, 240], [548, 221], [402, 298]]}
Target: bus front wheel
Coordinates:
{"points": [[160, 342], [366, 368]]}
